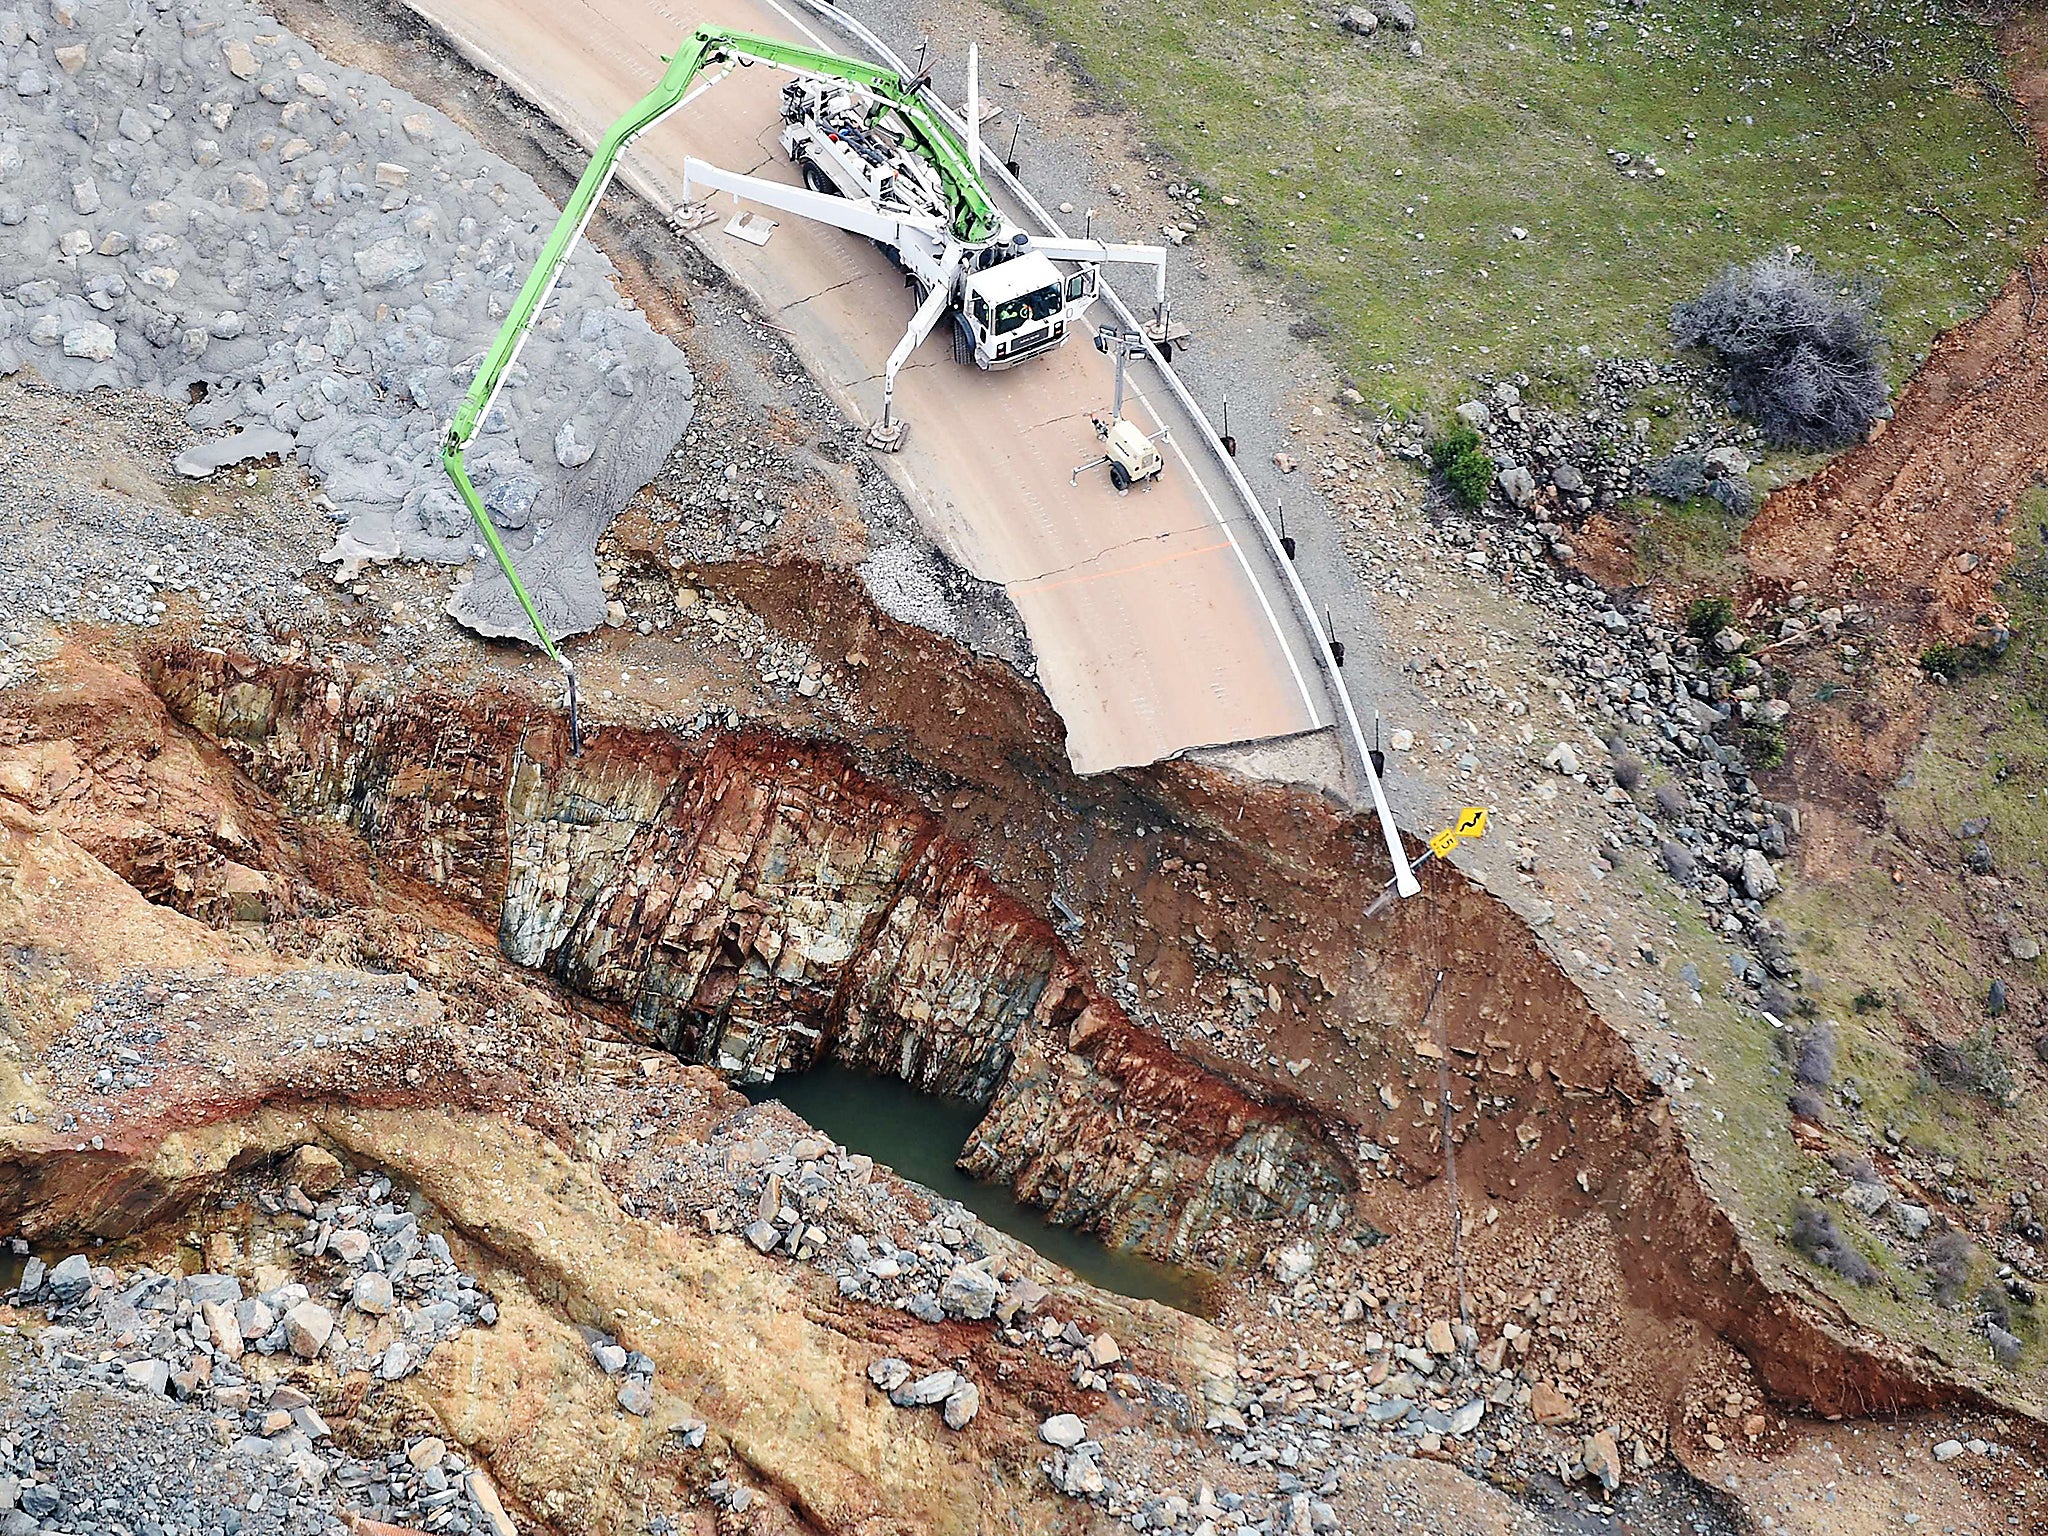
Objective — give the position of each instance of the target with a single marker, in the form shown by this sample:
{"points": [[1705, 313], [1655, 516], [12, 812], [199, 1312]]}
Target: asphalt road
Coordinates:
{"points": [[1156, 622]]}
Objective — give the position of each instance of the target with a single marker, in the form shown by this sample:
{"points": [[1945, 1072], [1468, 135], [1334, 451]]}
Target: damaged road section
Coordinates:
{"points": [[199, 205]]}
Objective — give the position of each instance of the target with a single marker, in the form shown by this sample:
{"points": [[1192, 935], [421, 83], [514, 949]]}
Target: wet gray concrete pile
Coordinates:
{"points": [[194, 202]]}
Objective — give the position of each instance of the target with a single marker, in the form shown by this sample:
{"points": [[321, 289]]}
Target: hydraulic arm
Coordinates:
{"points": [[972, 218]]}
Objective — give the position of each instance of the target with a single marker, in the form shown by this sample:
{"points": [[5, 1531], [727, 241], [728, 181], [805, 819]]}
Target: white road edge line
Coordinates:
{"points": [[1272, 619]]}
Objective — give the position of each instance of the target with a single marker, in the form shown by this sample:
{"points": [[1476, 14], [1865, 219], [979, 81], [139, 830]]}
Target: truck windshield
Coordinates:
{"points": [[1040, 304]]}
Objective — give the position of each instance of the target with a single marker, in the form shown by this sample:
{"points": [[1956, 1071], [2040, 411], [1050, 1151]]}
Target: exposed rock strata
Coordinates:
{"points": [[758, 905]]}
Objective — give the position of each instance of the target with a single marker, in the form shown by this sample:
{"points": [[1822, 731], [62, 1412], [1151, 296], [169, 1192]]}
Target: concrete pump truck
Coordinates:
{"points": [[876, 160]]}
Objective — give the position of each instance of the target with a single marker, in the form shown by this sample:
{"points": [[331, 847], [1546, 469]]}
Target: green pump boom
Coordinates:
{"points": [[973, 218]]}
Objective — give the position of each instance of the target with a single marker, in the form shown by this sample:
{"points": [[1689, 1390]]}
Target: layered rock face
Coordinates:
{"points": [[759, 905]]}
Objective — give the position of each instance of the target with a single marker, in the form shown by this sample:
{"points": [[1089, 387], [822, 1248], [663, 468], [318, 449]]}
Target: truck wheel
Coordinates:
{"points": [[963, 339], [1119, 476], [818, 181]]}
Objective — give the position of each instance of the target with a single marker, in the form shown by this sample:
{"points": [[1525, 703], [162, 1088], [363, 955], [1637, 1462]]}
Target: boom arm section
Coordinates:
{"points": [[1153, 256], [854, 214]]}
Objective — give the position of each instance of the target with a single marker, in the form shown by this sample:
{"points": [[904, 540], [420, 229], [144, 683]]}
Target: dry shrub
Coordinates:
{"points": [[1815, 1234], [1801, 355]]}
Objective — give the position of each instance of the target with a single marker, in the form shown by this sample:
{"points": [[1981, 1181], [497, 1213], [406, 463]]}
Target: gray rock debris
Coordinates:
{"points": [[196, 202]]}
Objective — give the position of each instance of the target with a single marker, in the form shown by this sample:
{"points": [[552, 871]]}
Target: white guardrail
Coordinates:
{"points": [[1405, 880]]}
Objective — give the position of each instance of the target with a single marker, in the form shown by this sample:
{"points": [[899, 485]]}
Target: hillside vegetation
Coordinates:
{"points": [[1547, 177]]}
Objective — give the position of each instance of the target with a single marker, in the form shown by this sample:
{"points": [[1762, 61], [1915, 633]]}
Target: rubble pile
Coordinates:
{"points": [[345, 1285], [199, 205]]}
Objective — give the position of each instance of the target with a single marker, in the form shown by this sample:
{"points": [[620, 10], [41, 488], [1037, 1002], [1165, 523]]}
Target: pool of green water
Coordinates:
{"points": [[919, 1135]]}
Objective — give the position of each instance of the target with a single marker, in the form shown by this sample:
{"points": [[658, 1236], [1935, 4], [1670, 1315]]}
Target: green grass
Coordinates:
{"points": [[1803, 135]]}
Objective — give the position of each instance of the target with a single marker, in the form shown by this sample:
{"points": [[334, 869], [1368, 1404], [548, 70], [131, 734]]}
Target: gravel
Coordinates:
{"points": [[200, 206]]}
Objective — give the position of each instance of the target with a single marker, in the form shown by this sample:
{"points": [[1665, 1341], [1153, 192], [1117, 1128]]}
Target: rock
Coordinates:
{"points": [[969, 1292], [387, 261], [888, 1373], [1759, 880], [372, 1293], [307, 1328], [1284, 462], [135, 127], [961, 1405], [92, 341], [315, 1170], [396, 1362], [2022, 946], [1080, 1477], [71, 1279], [1465, 1418], [1867, 1196], [1398, 14], [1996, 1001], [1358, 21], [1292, 1263], [150, 1376], [222, 1329], [1474, 414], [1729, 641], [571, 452], [1602, 1459], [85, 196], [418, 127], [1439, 1337], [610, 1358], [1562, 759], [1948, 1450], [1912, 1220], [1021, 1297], [763, 1236], [1567, 479], [1104, 1351], [424, 1453], [349, 1245], [1549, 1406], [1065, 1430], [636, 1398], [1724, 461], [926, 1391], [242, 63], [255, 1318], [1518, 485]]}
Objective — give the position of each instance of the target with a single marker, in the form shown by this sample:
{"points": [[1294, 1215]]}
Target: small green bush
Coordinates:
{"points": [[1706, 617], [1764, 746], [1470, 476], [1460, 457], [1459, 440], [1944, 661], [1977, 1063], [1951, 662]]}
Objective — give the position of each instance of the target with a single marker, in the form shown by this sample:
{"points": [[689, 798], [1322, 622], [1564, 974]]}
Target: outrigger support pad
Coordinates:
{"points": [[886, 435]]}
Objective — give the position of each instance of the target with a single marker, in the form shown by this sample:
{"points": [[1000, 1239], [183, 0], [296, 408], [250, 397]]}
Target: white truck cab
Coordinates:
{"points": [[1020, 305]]}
